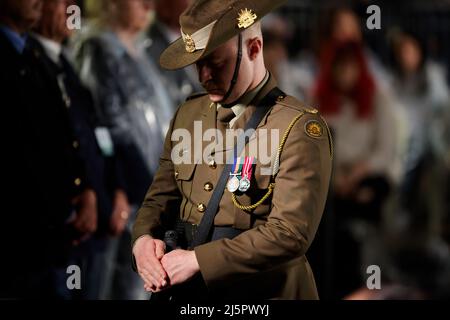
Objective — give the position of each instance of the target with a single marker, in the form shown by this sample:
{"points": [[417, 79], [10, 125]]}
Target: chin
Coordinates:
{"points": [[215, 97]]}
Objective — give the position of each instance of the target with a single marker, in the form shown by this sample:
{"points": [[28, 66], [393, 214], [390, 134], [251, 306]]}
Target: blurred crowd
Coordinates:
{"points": [[85, 113]]}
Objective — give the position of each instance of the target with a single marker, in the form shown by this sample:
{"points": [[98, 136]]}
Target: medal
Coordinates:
{"points": [[245, 183], [234, 182]]}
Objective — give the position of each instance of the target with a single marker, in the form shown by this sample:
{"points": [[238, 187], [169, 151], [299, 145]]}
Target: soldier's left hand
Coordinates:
{"points": [[180, 265]]}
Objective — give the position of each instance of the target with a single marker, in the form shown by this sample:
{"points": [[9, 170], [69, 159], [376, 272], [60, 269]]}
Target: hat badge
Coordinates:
{"points": [[189, 43], [246, 18]]}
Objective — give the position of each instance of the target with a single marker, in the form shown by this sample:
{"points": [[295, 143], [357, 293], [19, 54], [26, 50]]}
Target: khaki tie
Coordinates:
{"points": [[224, 116]]}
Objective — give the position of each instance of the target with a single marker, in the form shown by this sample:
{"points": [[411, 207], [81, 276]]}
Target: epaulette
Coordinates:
{"points": [[196, 95], [293, 103]]}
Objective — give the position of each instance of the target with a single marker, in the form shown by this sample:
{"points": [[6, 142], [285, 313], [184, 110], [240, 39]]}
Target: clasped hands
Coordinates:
{"points": [[159, 270]]}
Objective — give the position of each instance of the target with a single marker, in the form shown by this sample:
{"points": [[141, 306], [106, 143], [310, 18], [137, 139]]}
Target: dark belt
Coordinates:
{"points": [[186, 232], [196, 287]]}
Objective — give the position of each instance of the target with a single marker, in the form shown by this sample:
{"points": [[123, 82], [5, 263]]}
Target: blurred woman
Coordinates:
{"points": [[363, 126], [134, 105], [337, 25]]}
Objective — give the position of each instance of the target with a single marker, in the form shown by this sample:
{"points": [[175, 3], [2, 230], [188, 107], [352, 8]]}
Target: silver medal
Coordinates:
{"points": [[244, 185], [233, 184]]}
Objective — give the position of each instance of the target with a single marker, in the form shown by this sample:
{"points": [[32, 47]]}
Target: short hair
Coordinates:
{"points": [[252, 32]]}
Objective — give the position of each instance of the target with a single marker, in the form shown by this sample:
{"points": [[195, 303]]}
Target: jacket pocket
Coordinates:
{"points": [[184, 172], [183, 176]]}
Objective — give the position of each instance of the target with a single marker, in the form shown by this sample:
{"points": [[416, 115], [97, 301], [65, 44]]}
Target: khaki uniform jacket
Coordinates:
{"points": [[268, 260]]}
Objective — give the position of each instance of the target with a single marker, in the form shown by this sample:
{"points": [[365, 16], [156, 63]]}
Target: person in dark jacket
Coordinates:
{"points": [[93, 144], [50, 203]]}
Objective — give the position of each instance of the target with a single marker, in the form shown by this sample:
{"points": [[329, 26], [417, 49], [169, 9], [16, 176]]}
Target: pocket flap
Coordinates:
{"points": [[184, 171]]}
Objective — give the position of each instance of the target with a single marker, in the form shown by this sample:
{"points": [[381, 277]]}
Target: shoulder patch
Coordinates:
{"points": [[196, 95], [314, 129]]}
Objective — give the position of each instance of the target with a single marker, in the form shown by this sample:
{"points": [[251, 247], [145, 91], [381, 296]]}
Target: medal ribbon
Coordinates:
{"points": [[237, 167], [248, 168]]}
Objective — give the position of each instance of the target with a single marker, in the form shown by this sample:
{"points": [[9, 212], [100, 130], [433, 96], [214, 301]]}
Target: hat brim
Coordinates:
{"points": [[176, 57]]}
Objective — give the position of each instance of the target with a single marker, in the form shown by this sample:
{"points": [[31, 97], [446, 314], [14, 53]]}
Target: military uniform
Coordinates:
{"points": [[267, 260]]}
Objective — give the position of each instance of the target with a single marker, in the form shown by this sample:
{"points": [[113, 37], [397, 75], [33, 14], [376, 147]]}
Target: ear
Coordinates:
{"points": [[254, 48]]}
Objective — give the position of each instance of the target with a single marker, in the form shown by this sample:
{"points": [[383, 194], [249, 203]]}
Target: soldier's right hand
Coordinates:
{"points": [[148, 253]]}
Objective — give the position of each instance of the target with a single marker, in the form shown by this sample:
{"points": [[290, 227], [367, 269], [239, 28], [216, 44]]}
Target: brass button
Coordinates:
{"points": [[77, 182], [75, 144], [208, 187], [280, 98], [201, 208], [212, 164], [176, 174]]}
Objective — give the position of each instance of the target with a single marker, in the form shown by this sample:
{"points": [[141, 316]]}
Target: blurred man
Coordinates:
{"points": [[101, 169], [50, 202], [166, 29]]}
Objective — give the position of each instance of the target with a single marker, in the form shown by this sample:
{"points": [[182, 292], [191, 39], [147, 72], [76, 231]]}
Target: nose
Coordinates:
{"points": [[204, 73]]}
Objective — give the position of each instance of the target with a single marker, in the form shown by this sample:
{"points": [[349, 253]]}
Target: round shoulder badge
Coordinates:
{"points": [[314, 129]]}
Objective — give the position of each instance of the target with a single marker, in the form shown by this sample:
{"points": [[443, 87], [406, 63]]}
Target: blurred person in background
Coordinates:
{"points": [[50, 202], [277, 34], [362, 120], [339, 25], [403, 277], [166, 29], [421, 88], [101, 167], [132, 101]]}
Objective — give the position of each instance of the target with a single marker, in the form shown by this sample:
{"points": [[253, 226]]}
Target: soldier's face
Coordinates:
{"points": [[216, 71]]}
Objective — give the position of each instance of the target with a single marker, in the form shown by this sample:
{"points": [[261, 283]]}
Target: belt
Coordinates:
{"points": [[186, 232], [182, 237]]}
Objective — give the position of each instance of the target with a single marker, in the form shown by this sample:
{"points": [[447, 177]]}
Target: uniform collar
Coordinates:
{"points": [[242, 103]]}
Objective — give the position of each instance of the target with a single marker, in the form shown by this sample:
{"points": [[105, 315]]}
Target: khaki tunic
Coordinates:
{"points": [[267, 261]]}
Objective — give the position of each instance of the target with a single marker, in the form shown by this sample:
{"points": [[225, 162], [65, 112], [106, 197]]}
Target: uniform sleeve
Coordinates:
{"points": [[297, 205], [161, 205]]}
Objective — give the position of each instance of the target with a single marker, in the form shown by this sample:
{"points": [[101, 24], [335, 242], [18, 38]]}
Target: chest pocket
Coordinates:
{"points": [[183, 176]]}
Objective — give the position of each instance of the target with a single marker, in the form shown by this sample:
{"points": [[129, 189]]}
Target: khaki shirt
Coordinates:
{"points": [[267, 260]]}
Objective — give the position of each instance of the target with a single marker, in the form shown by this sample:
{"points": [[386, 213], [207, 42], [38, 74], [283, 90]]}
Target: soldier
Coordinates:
{"points": [[249, 240]]}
